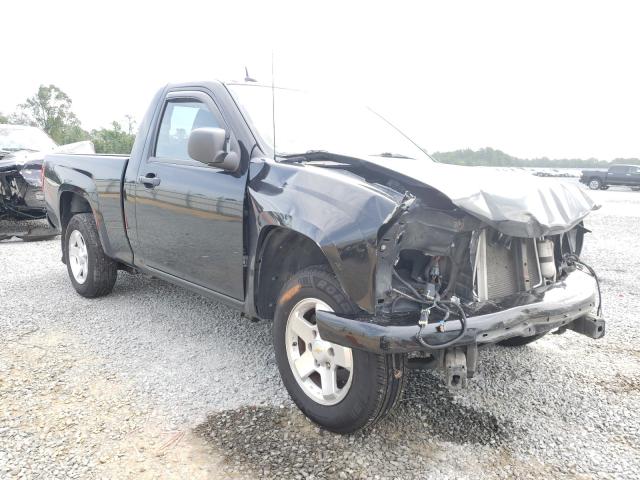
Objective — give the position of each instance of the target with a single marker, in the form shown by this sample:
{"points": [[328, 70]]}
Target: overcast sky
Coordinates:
{"points": [[543, 78]]}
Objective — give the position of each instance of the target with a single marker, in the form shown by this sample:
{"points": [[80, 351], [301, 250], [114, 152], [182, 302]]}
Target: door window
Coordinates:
{"points": [[180, 117], [619, 169]]}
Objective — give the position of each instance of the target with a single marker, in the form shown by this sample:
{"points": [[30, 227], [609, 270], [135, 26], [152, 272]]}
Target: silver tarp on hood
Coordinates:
{"points": [[516, 204]]}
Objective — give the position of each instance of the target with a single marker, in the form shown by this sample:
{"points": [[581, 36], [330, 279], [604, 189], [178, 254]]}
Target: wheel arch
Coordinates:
{"points": [[74, 201], [281, 252], [71, 203]]}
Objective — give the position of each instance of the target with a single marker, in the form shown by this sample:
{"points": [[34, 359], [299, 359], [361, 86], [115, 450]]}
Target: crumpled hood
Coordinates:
{"points": [[17, 160], [516, 204]]}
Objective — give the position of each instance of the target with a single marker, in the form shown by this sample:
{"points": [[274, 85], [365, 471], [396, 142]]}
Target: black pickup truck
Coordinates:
{"points": [[368, 256], [602, 179]]}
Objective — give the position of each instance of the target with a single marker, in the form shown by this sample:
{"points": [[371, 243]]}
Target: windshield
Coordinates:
{"points": [[17, 137], [306, 123]]}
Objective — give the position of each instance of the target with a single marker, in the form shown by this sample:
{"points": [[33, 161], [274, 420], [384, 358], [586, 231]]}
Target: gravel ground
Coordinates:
{"points": [[156, 382]]}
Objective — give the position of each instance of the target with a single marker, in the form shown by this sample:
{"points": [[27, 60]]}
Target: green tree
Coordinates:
{"points": [[114, 139], [3, 118], [50, 109]]}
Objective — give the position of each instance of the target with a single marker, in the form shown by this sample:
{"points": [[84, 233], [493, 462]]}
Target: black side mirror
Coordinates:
{"points": [[212, 147]]}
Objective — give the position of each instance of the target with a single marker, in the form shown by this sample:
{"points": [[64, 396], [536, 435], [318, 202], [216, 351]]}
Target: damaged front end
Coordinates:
{"points": [[21, 195], [22, 152], [447, 282]]}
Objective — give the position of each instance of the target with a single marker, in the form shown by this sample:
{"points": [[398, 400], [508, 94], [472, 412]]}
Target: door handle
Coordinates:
{"points": [[150, 180]]}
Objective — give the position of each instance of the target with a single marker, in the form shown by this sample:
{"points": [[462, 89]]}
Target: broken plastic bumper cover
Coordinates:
{"points": [[567, 303]]}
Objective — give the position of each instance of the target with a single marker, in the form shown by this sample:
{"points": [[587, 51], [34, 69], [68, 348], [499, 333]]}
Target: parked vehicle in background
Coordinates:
{"points": [[367, 255], [601, 179], [22, 150]]}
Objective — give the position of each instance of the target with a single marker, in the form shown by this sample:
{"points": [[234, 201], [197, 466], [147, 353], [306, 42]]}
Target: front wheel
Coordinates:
{"points": [[595, 184], [339, 388], [92, 273]]}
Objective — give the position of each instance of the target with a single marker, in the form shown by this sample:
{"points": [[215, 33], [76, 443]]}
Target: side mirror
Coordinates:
{"points": [[212, 147]]}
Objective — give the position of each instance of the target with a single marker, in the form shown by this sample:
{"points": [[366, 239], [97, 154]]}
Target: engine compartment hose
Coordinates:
{"points": [[571, 259], [443, 306], [428, 304]]}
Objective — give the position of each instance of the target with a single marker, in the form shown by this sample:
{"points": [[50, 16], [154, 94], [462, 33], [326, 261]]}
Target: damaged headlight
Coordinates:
{"points": [[31, 175]]}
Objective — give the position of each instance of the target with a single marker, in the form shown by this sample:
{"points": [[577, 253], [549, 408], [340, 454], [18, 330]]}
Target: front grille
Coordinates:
{"points": [[506, 267]]}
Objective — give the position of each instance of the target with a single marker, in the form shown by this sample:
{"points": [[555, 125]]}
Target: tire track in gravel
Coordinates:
{"points": [[279, 442]]}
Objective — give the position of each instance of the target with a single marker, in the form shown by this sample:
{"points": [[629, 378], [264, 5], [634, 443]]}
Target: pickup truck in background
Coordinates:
{"points": [[368, 256], [601, 179]]}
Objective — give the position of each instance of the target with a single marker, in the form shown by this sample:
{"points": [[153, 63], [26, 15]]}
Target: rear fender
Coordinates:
{"points": [[69, 205]]}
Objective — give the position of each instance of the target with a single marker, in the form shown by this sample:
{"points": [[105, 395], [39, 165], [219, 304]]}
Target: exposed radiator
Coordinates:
{"points": [[504, 270]]}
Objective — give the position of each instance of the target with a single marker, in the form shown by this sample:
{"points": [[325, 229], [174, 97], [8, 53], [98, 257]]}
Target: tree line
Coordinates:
{"points": [[50, 110], [497, 158]]}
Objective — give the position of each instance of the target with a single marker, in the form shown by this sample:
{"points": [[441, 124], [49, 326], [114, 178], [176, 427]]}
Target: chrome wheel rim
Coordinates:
{"points": [[78, 257], [594, 185], [323, 370]]}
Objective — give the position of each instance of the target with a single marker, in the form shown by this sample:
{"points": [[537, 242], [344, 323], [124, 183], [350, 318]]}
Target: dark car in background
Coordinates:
{"points": [[601, 179], [22, 151]]}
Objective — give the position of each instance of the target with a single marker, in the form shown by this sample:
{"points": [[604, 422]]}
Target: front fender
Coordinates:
{"points": [[340, 213]]}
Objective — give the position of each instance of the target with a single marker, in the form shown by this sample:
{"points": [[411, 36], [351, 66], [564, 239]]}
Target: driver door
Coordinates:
{"points": [[190, 215]]}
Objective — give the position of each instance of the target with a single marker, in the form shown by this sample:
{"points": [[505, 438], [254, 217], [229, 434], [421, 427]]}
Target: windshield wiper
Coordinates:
{"points": [[307, 156], [391, 155]]}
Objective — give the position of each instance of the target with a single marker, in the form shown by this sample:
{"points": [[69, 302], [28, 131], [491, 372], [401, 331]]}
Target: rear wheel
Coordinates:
{"points": [[92, 273], [339, 388], [521, 341], [595, 183]]}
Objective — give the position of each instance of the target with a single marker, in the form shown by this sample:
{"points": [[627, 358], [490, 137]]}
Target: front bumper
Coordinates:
{"points": [[564, 304]]}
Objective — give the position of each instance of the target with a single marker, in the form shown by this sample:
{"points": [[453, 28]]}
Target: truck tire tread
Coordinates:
{"points": [[387, 385], [103, 270]]}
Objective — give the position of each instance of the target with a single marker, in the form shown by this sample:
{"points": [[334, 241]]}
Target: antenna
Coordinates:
{"points": [[247, 78], [273, 105]]}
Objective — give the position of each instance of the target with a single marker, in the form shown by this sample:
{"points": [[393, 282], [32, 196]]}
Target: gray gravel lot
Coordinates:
{"points": [[156, 382]]}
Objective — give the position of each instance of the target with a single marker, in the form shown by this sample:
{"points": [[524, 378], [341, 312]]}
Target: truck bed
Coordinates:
{"points": [[99, 178]]}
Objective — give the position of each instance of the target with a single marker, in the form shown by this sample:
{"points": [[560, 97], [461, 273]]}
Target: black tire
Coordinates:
{"points": [[378, 380], [521, 341], [595, 183], [102, 271]]}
